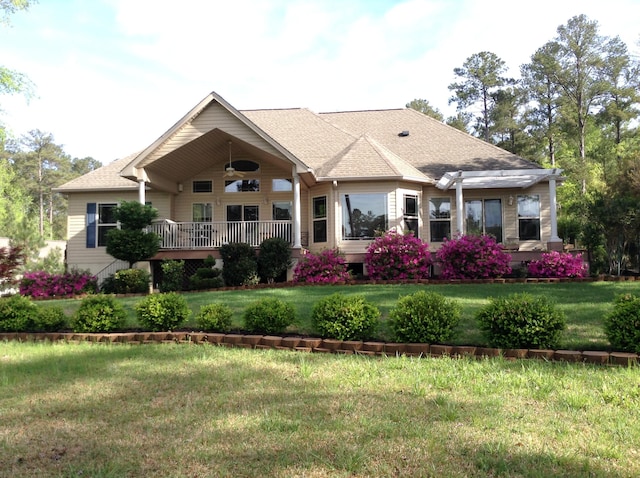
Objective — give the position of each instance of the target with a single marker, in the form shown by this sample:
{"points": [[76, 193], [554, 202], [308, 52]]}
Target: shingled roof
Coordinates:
{"points": [[356, 145], [105, 178]]}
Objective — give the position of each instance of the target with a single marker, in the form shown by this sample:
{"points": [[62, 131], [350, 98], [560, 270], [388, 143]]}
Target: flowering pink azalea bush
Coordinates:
{"points": [[42, 284], [396, 256], [556, 264], [473, 257], [327, 267]]}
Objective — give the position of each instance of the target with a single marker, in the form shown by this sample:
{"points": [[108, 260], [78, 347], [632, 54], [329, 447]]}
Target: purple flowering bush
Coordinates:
{"points": [[327, 267], [42, 284], [557, 264], [396, 256], [473, 257]]}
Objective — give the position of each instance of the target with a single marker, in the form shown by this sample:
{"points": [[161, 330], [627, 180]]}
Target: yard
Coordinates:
{"points": [[99, 410], [105, 410]]}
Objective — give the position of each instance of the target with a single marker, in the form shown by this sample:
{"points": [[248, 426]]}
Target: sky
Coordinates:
{"points": [[111, 76]]}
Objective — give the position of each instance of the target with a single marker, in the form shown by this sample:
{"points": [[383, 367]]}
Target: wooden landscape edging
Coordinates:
{"points": [[319, 345]]}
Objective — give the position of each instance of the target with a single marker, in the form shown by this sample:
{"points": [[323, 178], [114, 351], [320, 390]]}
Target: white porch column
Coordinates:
{"points": [[141, 191], [459, 207], [297, 216], [554, 216]]}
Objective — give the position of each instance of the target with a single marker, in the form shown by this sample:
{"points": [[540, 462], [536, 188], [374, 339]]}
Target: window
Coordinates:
{"points": [[202, 186], [243, 165], [363, 215], [529, 217], [242, 185], [282, 210], [202, 212], [484, 216], [411, 213], [106, 222], [439, 219], [320, 219], [281, 185]]}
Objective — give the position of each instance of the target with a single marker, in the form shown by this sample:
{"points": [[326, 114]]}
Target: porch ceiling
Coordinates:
{"points": [[209, 150], [513, 179]]}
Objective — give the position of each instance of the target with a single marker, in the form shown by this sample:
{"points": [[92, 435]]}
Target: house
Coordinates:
{"points": [[319, 180]]}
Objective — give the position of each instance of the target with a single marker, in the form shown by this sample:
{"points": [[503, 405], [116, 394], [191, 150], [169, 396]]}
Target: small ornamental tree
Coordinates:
{"points": [[396, 256], [11, 258], [327, 267], [473, 257], [274, 258], [556, 264], [132, 243]]}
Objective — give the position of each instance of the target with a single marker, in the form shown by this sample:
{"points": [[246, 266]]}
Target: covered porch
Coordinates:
{"points": [[212, 235]]}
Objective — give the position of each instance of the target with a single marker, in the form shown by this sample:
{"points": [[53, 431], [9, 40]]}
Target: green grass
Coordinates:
{"points": [[72, 410], [585, 304]]}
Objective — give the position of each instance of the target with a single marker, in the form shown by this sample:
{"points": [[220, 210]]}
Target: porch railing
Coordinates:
{"points": [[209, 235]]}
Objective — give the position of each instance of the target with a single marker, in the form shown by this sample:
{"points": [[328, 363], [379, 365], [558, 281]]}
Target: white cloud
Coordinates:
{"points": [[112, 76]]}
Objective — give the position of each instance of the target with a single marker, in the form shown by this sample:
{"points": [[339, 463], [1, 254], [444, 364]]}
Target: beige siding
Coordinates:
{"points": [[95, 259], [214, 116]]}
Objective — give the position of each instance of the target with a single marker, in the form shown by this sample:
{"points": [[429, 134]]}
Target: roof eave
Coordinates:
{"points": [[130, 170]]}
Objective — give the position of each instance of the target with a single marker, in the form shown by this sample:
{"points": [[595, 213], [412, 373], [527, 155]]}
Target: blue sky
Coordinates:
{"points": [[112, 75]]}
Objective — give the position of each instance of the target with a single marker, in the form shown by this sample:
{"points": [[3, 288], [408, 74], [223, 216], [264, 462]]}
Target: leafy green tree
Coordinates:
{"points": [[424, 107], [580, 57], [543, 96], [481, 75], [132, 243], [9, 7], [40, 165]]}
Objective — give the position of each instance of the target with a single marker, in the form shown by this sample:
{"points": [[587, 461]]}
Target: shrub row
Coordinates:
{"points": [[395, 256], [515, 321]]}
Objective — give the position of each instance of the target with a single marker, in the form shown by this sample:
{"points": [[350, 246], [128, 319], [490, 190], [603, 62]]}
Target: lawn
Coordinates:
{"points": [[178, 410], [585, 305]]}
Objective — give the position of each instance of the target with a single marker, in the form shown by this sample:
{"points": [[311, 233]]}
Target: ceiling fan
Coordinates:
{"points": [[230, 171]]}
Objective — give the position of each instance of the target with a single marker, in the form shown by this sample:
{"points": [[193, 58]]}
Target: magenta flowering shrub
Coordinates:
{"points": [[473, 257], [396, 256], [327, 267], [41, 284], [557, 264]]}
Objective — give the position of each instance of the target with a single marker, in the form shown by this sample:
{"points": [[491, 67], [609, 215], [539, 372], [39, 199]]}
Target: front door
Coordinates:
{"points": [[243, 223]]}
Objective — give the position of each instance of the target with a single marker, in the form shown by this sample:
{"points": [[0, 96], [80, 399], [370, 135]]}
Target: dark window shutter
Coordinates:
{"points": [[91, 224]]}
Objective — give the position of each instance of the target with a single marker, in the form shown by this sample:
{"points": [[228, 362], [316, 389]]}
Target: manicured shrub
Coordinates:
{"points": [[274, 258], [99, 313], [162, 312], [17, 314], [327, 267], [42, 284], [239, 264], [622, 325], [424, 317], [132, 281], [557, 264], [396, 256], [473, 257], [172, 275], [345, 317], [522, 321], [50, 319], [269, 316], [214, 317], [207, 277]]}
